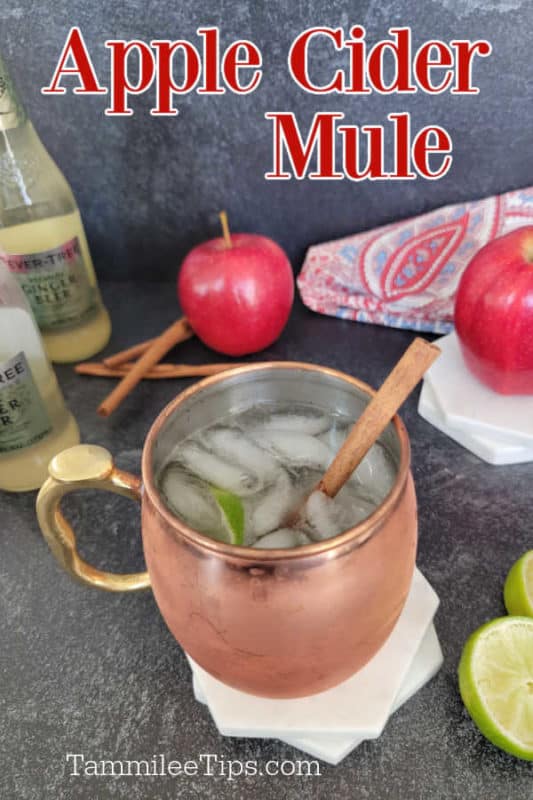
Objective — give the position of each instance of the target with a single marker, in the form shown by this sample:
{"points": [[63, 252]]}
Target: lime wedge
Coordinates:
{"points": [[518, 589], [232, 513], [496, 683]]}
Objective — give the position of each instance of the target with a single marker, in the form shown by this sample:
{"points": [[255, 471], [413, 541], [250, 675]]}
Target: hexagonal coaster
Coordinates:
{"points": [[471, 406], [358, 707], [334, 747], [490, 448]]}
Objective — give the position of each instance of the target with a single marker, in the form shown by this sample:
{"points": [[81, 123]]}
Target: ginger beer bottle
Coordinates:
{"points": [[42, 236], [35, 424]]}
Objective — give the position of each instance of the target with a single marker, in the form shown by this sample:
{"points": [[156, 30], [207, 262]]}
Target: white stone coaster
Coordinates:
{"points": [[471, 406], [357, 709], [491, 448], [334, 747]]}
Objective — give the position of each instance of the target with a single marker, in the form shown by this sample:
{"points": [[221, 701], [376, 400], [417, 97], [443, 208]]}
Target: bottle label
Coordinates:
{"points": [[23, 416], [56, 284], [12, 113]]}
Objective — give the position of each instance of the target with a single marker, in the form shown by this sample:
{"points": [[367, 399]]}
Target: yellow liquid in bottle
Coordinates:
{"points": [[59, 289], [43, 239], [26, 467]]}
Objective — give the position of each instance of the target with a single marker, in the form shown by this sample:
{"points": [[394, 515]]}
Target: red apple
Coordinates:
{"points": [[494, 313], [237, 298]]}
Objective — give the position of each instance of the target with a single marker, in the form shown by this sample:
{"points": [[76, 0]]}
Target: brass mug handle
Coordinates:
{"points": [[85, 466]]}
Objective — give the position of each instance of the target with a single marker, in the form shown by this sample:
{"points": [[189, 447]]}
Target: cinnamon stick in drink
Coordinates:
{"points": [[378, 413], [370, 425]]}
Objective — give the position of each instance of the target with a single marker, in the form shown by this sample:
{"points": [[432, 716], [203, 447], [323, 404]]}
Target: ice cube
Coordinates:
{"points": [[327, 517], [376, 470], [358, 503], [217, 471], [186, 498], [334, 438], [273, 506], [282, 538], [322, 516], [297, 422], [299, 449], [233, 446]]}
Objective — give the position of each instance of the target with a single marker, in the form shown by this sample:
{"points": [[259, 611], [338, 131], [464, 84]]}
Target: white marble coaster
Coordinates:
{"points": [[359, 707], [470, 405], [491, 448], [334, 747]]}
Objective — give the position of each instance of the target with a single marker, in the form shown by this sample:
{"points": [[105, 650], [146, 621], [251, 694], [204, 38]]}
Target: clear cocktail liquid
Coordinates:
{"points": [[271, 457]]}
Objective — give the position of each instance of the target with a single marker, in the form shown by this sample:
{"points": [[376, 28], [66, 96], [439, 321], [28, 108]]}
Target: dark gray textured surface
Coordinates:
{"points": [[82, 671], [149, 188]]}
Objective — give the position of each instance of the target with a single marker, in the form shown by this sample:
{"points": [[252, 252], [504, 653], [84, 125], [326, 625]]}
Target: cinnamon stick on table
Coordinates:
{"points": [[131, 353], [101, 370], [159, 348]]}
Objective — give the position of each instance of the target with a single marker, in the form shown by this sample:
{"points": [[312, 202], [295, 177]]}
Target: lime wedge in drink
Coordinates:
{"points": [[232, 513], [518, 589], [496, 683]]}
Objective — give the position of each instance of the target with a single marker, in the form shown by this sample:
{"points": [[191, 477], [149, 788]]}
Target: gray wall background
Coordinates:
{"points": [[149, 188]]}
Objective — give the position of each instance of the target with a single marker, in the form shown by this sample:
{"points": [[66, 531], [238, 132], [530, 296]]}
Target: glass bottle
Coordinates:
{"points": [[42, 236], [35, 424]]}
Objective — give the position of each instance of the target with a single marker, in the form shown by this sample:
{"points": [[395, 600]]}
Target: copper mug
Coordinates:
{"points": [[276, 623]]}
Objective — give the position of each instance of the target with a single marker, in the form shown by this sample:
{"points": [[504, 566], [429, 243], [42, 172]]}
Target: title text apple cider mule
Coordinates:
{"points": [[277, 623]]}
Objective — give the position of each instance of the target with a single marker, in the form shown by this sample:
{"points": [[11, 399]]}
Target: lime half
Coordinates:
{"points": [[232, 513], [518, 589], [496, 683]]}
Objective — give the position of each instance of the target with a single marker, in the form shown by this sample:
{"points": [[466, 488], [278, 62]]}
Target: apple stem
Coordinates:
{"points": [[225, 228]]}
